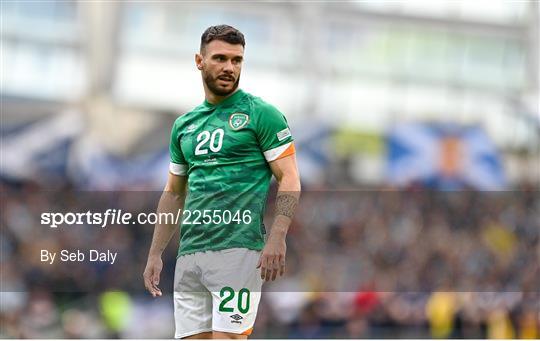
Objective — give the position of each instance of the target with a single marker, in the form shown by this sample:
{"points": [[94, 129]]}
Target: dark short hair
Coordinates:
{"points": [[225, 33]]}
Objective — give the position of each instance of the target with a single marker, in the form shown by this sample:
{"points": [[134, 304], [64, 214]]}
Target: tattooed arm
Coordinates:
{"points": [[272, 259]]}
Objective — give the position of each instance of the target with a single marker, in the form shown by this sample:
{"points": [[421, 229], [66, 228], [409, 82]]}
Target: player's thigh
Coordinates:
{"points": [[192, 301], [232, 336], [199, 336], [235, 283]]}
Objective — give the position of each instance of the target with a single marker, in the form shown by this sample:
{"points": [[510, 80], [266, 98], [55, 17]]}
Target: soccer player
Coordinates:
{"points": [[223, 155]]}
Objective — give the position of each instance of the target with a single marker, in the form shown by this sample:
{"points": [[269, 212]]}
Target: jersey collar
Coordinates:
{"points": [[229, 100]]}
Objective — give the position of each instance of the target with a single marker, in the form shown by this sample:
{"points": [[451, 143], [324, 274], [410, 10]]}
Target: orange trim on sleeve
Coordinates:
{"points": [[289, 151], [248, 332]]}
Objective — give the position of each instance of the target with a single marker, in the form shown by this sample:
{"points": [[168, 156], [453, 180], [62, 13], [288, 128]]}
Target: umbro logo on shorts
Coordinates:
{"points": [[236, 318]]}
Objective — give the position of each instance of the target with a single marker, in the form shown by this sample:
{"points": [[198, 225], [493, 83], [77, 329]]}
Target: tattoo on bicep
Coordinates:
{"points": [[286, 205]]}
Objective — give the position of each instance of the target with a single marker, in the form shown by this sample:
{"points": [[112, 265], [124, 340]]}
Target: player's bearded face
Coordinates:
{"points": [[221, 84], [220, 66]]}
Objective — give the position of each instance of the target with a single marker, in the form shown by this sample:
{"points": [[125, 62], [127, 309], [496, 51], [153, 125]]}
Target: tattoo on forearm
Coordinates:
{"points": [[286, 205]]}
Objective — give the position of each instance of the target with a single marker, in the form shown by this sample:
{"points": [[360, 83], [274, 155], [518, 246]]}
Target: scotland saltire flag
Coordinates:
{"points": [[443, 156]]}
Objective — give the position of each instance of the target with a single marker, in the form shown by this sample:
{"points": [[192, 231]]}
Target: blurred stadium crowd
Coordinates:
{"points": [[412, 263]]}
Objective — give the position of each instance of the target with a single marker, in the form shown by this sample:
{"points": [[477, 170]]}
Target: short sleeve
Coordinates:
{"points": [[273, 133], [178, 164]]}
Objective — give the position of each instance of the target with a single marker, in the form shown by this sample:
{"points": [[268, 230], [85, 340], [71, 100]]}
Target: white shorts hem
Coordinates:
{"points": [[176, 336]]}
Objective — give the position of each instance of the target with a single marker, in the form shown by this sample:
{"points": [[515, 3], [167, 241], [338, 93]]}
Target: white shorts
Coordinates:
{"points": [[216, 291]]}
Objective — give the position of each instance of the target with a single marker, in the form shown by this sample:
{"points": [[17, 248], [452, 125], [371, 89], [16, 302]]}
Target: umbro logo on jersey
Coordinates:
{"points": [[236, 318], [191, 128], [238, 120]]}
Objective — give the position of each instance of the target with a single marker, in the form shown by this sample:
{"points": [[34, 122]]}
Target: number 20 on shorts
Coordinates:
{"points": [[227, 294]]}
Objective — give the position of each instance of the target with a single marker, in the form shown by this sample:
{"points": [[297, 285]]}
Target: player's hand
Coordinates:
{"points": [[151, 275], [272, 261]]}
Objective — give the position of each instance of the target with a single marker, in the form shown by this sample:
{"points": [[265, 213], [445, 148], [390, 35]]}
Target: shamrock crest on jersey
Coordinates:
{"points": [[238, 120]]}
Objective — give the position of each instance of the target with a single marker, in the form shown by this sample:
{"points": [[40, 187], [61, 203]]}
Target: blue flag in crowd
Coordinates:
{"points": [[443, 156]]}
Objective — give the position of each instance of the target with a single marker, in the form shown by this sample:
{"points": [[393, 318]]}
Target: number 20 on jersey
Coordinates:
{"points": [[207, 140]]}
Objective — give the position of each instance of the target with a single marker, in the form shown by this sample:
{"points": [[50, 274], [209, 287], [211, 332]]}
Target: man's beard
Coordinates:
{"points": [[213, 87]]}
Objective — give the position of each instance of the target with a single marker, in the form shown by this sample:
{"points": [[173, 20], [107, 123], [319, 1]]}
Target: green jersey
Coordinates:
{"points": [[224, 151]]}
